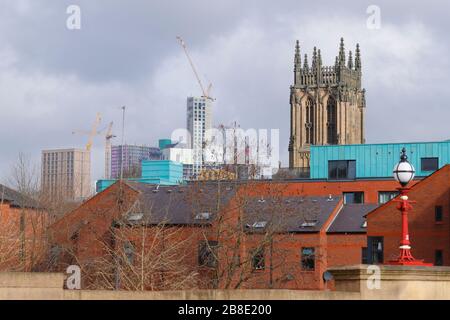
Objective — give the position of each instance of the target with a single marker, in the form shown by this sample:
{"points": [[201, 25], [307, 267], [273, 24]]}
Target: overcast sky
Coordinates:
{"points": [[53, 80]]}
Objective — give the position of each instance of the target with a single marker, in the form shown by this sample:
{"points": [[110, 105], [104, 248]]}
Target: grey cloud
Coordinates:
{"points": [[53, 80]]}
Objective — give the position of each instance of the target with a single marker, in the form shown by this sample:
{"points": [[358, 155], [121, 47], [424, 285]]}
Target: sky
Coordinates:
{"points": [[53, 80]]}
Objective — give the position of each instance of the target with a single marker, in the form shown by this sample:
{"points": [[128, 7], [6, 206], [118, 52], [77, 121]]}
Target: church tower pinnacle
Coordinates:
{"points": [[327, 103]]}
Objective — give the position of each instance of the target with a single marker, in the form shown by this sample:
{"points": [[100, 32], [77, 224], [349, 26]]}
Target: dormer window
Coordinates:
{"points": [[309, 223], [203, 216], [135, 216], [257, 225]]}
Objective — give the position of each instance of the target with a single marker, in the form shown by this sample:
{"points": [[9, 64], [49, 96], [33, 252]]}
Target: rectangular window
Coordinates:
{"points": [[308, 259], [258, 261], [353, 197], [385, 196], [129, 251], [429, 164], [375, 250], [207, 253], [438, 214], [342, 169], [364, 255], [438, 258]]}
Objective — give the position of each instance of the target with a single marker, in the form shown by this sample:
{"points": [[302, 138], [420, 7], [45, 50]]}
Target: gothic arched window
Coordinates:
{"points": [[309, 121], [331, 121]]}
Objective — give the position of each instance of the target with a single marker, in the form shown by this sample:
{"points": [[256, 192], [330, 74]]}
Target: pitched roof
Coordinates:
{"points": [[178, 204], [16, 198], [297, 214], [417, 186], [198, 204], [351, 218]]}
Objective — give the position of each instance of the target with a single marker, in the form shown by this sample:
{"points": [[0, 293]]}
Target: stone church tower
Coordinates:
{"points": [[327, 104]]}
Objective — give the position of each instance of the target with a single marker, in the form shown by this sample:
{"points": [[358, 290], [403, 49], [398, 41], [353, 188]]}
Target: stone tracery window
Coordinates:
{"points": [[309, 121], [331, 121]]}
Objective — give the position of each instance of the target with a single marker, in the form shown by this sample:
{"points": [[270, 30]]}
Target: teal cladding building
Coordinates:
{"points": [[365, 161], [162, 172]]}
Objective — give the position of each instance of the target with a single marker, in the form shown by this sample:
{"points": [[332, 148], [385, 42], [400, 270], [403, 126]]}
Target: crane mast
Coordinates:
{"points": [[108, 136]]}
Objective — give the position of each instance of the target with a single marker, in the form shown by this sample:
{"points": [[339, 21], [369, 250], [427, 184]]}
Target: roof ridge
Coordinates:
{"points": [[414, 187]]}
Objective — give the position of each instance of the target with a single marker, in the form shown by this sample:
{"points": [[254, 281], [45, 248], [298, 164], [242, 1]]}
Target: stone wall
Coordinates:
{"points": [[49, 286], [396, 282]]}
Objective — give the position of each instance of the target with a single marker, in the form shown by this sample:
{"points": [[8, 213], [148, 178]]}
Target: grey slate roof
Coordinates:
{"points": [[16, 198], [290, 214], [179, 204], [351, 218]]}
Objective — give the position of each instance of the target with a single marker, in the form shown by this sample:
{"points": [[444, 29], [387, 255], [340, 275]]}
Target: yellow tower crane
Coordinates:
{"points": [[92, 133], [108, 137]]}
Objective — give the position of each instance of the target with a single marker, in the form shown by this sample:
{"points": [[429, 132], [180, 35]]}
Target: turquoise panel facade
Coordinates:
{"points": [[162, 169], [377, 160], [162, 172], [163, 143]]}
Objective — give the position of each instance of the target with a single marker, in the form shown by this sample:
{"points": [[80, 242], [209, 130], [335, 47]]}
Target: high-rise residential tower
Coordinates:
{"points": [[66, 173], [199, 119], [327, 104]]}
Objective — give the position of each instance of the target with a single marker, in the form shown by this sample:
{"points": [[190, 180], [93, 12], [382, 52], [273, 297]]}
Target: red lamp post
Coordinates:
{"points": [[404, 173]]}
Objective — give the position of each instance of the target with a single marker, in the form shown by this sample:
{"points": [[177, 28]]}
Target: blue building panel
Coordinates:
{"points": [[162, 172], [378, 160]]}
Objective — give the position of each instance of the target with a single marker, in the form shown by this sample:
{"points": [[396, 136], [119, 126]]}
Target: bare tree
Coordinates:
{"points": [[24, 220], [249, 242], [143, 257], [9, 237], [122, 245], [134, 171]]}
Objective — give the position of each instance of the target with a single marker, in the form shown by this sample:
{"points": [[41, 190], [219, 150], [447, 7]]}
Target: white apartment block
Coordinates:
{"points": [[199, 119]]}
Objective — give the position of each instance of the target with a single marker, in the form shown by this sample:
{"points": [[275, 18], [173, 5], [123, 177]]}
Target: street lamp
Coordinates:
{"points": [[404, 173]]}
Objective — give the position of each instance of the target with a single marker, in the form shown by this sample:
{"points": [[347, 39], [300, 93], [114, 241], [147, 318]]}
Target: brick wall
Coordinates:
{"points": [[426, 234], [85, 229], [23, 241]]}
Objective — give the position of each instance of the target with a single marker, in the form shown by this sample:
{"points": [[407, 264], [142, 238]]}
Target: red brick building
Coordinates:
{"points": [[22, 231], [229, 235], [429, 223]]}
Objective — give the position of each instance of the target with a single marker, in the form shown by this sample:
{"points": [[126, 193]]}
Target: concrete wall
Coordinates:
{"points": [[396, 282], [49, 286]]}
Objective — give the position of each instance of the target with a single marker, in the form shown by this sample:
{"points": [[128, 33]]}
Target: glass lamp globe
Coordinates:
{"points": [[404, 171]]}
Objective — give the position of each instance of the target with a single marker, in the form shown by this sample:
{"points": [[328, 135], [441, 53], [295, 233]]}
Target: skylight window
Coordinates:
{"points": [[203, 216], [259, 224], [309, 223], [135, 216]]}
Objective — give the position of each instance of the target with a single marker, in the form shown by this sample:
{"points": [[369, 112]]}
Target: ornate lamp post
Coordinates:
{"points": [[404, 173]]}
